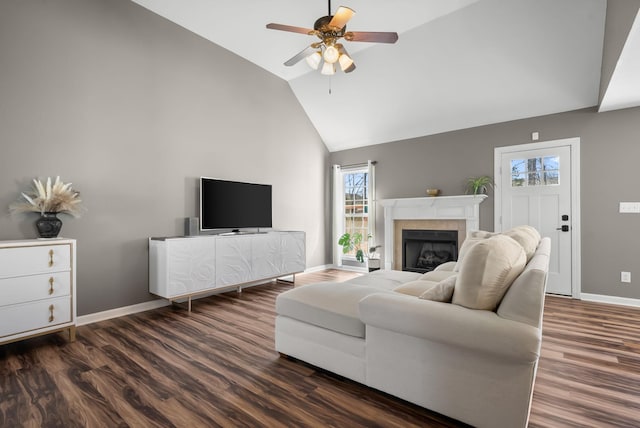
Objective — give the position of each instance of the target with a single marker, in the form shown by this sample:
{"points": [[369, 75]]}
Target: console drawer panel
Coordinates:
{"points": [[32, 260], [25, 289], [35, 315]]}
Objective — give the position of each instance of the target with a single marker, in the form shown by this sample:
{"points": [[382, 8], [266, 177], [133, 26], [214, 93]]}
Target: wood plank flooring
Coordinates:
{"points": [[216, 366]]}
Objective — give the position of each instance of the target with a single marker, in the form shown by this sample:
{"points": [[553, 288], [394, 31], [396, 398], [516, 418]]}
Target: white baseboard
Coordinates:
{"points": [[614, 300], [158, 303], [120, 312], [318, 268], [351, 268]]}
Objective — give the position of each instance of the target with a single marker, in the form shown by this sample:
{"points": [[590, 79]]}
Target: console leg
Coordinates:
{"points": [[286, 281], [72, 333], [189, 303]]}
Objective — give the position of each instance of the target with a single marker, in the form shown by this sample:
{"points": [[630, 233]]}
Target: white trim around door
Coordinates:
{"points": [[574, 146]]}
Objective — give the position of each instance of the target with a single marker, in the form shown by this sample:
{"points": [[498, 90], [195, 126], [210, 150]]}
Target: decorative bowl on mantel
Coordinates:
{"points": [[433, 192]]}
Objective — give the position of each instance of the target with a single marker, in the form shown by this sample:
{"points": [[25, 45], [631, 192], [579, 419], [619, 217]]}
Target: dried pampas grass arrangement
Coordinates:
{"points": [[47, 197]]}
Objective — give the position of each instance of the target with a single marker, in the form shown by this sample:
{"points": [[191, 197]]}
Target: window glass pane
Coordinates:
{"points": [[518, 166], [551, 177], [518, 180], [534, 164], [534, 179], [551, 163]]}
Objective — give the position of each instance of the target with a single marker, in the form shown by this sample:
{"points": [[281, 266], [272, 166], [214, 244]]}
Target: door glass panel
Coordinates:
{"points": [[539, 171]]}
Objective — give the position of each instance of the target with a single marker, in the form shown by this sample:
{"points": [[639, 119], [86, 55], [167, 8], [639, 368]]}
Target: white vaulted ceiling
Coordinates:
{"points": [[457, 63]]}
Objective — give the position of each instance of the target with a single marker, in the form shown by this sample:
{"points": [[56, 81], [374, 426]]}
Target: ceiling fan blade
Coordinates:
{"points": [[342, 16], [300, 56], [289, 28], [371, 36]]}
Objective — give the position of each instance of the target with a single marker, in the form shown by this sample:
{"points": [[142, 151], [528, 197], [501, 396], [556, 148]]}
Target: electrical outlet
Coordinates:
{"points": [[625, 276]]}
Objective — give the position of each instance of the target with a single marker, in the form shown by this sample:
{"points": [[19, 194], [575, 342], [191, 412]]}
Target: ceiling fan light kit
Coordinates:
{"points": [[314, 60], [328, 69], [329, 29]]}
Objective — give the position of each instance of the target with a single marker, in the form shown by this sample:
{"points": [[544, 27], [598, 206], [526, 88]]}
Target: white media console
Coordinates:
{"points": [[183, 267]]}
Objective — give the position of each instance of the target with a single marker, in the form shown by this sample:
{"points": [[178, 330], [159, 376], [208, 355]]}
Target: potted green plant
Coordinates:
{"points": [[479, 185], [351, 242]]}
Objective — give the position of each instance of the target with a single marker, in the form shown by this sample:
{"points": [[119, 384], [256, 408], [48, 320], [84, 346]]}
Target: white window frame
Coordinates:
{"points": [[339, 206]]}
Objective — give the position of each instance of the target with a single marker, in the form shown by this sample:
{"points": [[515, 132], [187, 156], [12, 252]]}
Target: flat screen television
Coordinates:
{"points": [[234, 205]]}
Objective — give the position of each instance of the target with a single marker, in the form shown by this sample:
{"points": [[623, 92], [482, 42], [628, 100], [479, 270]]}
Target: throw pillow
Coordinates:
{"points": [[526, 236], [436, 275], [487, 271], [442, 291], [471, 239], [415, 288]]}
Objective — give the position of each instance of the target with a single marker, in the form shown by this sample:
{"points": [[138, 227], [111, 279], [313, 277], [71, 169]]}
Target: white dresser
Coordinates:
{"points": [[37, 288], [185, 266]]}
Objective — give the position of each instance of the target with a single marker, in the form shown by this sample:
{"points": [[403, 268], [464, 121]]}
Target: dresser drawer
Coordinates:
{"points": [[23, 289], [33, 260], [26, 317]]}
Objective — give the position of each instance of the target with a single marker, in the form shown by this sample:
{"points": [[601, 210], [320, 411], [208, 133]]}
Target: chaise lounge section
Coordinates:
{"points": [[463, 340]]}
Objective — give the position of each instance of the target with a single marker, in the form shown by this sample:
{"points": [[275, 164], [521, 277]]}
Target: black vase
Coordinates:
{"points": [[48, 225]]}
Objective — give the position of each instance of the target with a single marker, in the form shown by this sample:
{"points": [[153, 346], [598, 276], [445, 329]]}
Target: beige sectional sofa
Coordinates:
{"points": [[462, 340]]}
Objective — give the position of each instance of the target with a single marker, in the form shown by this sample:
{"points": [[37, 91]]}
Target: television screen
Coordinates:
{"points": [[234, 205]]}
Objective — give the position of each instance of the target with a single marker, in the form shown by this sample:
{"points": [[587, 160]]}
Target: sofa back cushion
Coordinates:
{"points": [[526, 236], [472, 239], [524, 301], [487, 271]]}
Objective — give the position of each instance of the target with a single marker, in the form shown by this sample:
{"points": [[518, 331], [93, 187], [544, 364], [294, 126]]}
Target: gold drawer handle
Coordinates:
{"points": [[51, 285], [50, 258], [51, 313]]}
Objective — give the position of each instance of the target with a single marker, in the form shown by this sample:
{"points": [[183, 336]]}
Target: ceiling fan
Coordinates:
{"points": [[329, 29]]}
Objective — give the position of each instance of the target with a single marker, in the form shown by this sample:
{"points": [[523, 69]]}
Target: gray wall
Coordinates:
{"points": [[133, 109], [609, 164]]}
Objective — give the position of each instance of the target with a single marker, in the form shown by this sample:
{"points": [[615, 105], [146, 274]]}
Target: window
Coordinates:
{"points": [[353, 207], [542, 171], [356, 205]]}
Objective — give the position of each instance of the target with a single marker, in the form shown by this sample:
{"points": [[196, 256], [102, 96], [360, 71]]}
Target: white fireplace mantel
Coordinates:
{"points": [[463, 207]]}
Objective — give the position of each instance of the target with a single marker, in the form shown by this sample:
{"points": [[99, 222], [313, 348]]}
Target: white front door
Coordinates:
{"points": [[534, 187]]}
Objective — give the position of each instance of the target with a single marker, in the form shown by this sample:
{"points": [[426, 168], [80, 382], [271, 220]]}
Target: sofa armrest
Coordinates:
{"points": [[478, 330], [446, 266]]}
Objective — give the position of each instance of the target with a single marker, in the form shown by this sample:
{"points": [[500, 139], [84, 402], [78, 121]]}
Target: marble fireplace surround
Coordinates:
{"points": [[459, 213]]}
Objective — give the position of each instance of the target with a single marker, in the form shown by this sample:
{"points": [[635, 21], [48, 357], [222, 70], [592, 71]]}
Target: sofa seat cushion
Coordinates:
{"points": [[330, 305], [487, 271], [384, 279], [435, 285]]}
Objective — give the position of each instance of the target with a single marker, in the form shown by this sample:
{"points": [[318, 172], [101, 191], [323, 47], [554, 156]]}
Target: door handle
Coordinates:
{"points": [[564, 228]]}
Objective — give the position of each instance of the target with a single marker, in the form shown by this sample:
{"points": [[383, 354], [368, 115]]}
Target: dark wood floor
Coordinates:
{"points": [[216, 366]]}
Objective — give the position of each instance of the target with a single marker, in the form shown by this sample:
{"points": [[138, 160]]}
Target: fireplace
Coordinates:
{"points": [[442, 213], [423, 250]]}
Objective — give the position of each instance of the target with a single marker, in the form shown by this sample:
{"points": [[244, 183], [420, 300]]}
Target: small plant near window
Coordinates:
{"points": [[479, 185], [351, 242]]}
